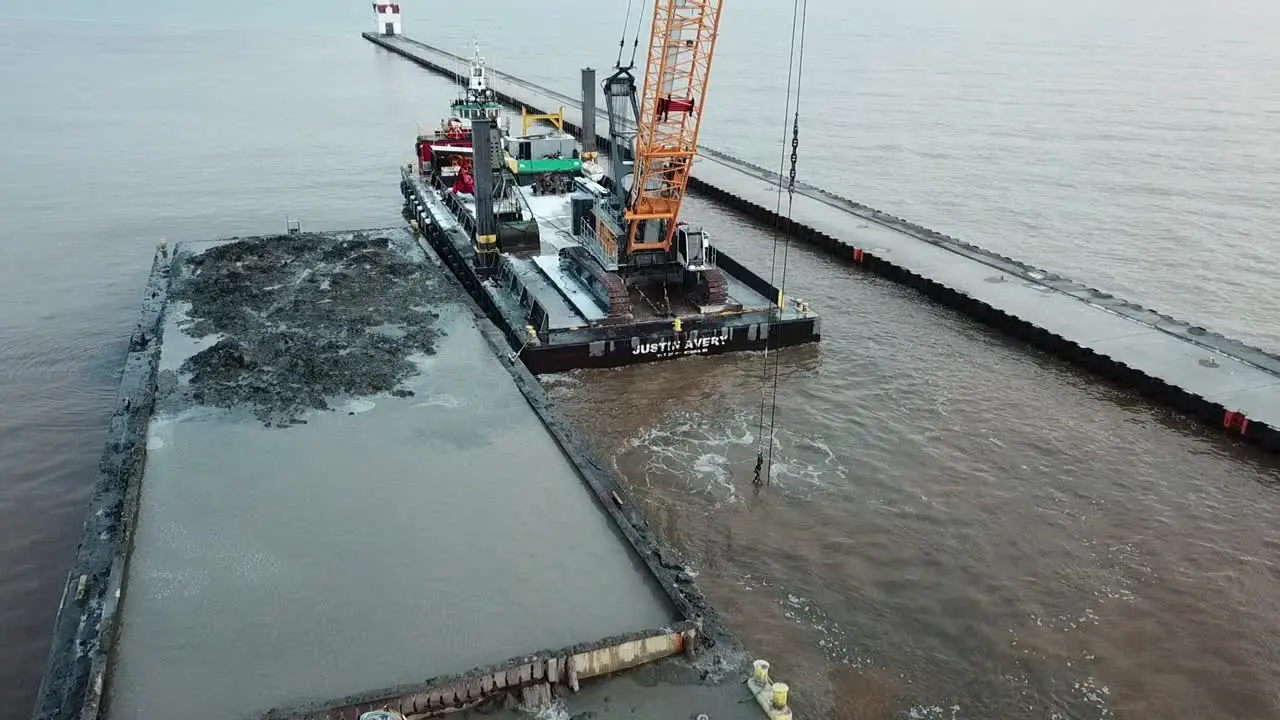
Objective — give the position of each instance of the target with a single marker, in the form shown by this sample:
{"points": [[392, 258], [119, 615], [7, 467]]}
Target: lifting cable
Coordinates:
{"points": [[622, 41], [799, 16], [635, 43]]}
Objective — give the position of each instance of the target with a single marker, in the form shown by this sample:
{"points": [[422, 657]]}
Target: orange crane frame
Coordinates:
{"points": [[681, 46]]}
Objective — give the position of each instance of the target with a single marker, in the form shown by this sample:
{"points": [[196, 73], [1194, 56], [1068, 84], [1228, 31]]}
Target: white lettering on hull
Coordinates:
{"points": [[675, 347]]}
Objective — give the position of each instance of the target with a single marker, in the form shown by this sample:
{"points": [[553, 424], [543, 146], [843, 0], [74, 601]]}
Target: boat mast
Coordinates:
{"points": [[478, 86]]}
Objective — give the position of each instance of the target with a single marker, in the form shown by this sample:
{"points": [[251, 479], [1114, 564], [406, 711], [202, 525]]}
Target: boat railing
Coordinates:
{"points": [[444, 133], [536, 317], [605, 249], [460, 212]]}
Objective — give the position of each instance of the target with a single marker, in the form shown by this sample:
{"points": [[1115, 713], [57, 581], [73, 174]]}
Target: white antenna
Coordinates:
{"points": [[475, 56]]}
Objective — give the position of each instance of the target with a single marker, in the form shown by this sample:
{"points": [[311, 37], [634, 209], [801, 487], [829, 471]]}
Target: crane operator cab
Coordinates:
{"points": [[693, 248]]}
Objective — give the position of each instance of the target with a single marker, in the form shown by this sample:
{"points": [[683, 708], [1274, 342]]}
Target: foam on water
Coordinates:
{"points": [[713, 453], [832, 640]]}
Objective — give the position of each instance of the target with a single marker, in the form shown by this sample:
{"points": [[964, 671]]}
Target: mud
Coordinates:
{"points": [[304, 320], [667, 688], [73, 679]]}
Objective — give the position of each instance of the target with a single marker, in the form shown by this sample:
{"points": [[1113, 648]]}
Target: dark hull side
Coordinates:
{"points": [[618, 345], [653, 348]]}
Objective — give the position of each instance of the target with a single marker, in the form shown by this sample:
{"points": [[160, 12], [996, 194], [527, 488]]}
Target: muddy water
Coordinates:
{"points": [[957, 526]]}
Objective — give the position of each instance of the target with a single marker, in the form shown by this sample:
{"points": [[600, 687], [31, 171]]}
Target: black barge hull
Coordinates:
{"points": [[651, 348]]}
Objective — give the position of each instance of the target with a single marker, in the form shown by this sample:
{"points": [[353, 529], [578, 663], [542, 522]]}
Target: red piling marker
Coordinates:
{"points": [[1234, 420]]}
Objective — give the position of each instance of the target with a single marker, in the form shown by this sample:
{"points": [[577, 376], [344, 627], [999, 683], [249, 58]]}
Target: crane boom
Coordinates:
{"points": [[681, 47]]}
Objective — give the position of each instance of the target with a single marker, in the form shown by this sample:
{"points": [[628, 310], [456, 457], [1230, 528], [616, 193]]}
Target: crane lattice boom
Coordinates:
{"points": [[681, 46]]}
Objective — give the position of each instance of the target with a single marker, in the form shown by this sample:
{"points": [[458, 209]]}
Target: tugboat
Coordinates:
{"points": [[578, 267], [477, 101], [532, 157]]}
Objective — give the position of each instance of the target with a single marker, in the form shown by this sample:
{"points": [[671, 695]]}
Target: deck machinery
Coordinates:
{"points": [[633, 236], [632, 240]]}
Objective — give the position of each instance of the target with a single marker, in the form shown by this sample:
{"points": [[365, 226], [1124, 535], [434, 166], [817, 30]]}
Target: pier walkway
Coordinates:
{"points": [[1221, 381]]}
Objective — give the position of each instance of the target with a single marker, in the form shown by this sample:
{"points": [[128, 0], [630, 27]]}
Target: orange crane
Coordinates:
{"points": [[678, 71], [631, 236]]}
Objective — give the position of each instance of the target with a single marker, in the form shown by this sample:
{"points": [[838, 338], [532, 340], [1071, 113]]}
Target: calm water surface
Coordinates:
{"points": [[958, 527]]}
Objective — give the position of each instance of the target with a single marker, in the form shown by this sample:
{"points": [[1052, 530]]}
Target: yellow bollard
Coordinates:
{"points": [[779, 695], [769, 695]]}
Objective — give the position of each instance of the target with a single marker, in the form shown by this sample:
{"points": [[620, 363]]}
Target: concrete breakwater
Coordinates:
{"points": [[1222, 382], [318, 552]]}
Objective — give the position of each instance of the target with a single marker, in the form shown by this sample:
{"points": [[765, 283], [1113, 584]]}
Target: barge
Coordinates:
{"points": [[328, 492], [579, 264]]}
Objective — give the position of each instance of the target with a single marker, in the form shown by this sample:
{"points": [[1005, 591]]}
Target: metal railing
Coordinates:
{"points": [[603, 250]]}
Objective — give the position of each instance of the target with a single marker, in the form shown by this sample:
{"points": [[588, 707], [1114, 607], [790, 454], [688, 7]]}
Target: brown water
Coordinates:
{"points": [[959, 526]]}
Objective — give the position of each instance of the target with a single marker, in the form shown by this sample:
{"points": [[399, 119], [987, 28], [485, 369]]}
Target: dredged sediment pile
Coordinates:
{"points": [[303, 319]]}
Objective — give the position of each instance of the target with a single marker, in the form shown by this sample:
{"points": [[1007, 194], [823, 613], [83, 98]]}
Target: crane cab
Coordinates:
{"points": [[693, 248]]}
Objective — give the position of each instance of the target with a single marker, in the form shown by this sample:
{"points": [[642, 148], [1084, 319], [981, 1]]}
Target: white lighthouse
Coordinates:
{"points": [[387, 18]]}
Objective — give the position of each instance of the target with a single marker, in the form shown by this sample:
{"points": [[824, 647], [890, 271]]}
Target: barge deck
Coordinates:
{"points": [[553, 323], [328, 491]]}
